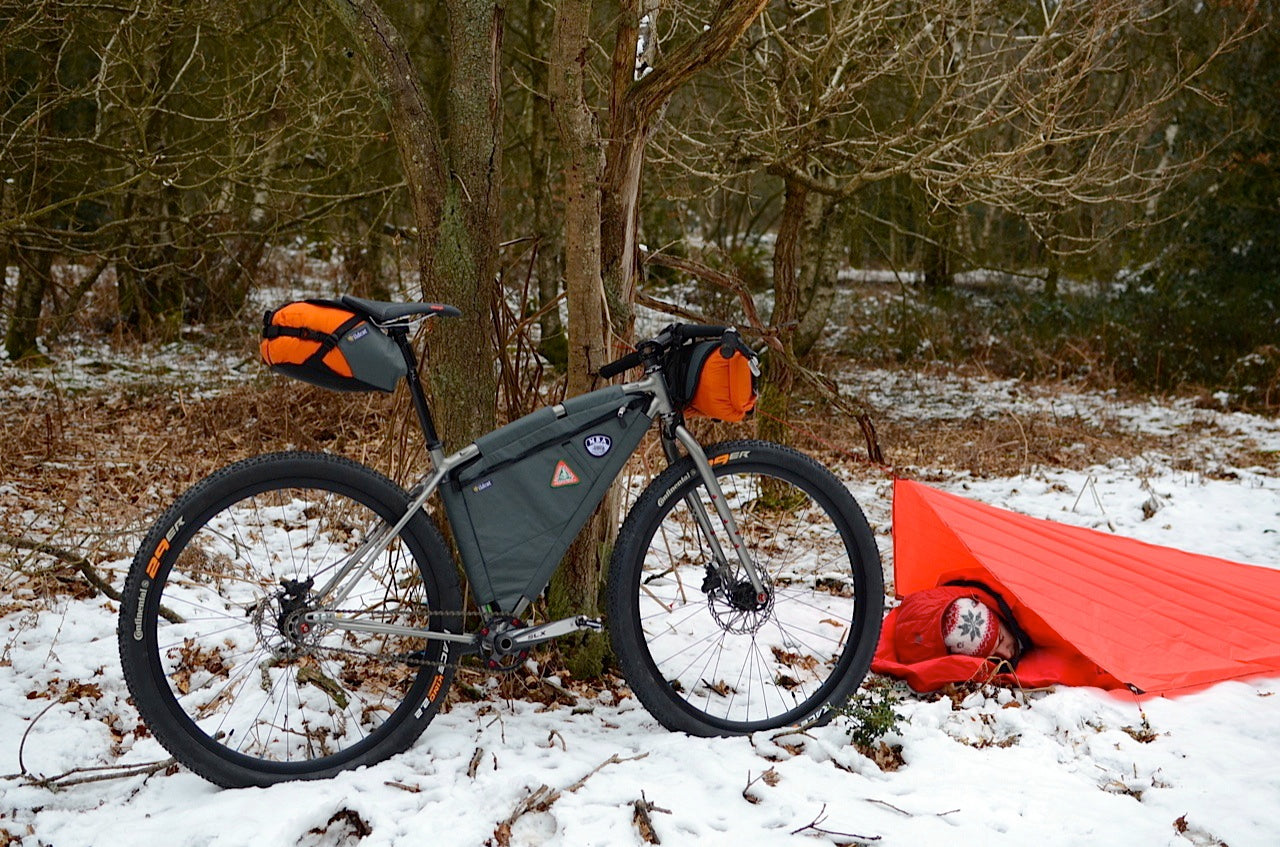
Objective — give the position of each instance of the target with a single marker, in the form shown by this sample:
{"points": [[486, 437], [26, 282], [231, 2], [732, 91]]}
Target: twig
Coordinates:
{"points": [[83, 565], [56, 783], [543, 797], [905, 812], [22, 767], [812, 826], [539, 800], [612, 760], [474, 767], [770, 778], [412, 789], [643, 821], [551, 740]]}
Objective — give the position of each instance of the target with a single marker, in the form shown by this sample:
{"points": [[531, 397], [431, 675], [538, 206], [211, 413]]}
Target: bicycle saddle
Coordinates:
{"points": [[382, 312]]}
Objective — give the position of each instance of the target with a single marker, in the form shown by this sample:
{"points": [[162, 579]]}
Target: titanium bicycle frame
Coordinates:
{"points": [[341, 584]]}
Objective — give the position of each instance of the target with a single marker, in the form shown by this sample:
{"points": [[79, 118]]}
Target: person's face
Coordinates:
{"points": [[1006, 645]]}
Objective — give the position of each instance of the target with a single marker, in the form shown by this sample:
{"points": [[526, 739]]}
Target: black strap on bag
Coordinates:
{"points": [[326, 340], [1005, 613]]}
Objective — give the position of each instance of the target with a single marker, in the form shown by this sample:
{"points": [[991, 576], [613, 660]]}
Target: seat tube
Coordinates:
{"points": [[708, 475], [434, 446]]}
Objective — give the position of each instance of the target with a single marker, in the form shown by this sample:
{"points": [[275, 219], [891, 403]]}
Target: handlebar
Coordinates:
{"points": [[673, 336], [626, 363], [685, 332]]}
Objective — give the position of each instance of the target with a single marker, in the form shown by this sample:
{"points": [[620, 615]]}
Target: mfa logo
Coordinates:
{"points": [[598, 445]]}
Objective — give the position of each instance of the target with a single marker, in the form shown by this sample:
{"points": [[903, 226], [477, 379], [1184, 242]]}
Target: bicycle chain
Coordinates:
{"points": [[407, 658], [410, 658]]}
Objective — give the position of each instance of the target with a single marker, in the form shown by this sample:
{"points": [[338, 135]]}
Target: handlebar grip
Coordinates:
{"points": [[626, 363], [686, 331]]}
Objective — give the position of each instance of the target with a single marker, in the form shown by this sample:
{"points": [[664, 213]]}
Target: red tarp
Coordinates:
{"points": [[1101, 609]]}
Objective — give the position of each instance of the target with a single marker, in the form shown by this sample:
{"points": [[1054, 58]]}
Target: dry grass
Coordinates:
{"points": [[95, 465], [89, 472], [1004, 445]]}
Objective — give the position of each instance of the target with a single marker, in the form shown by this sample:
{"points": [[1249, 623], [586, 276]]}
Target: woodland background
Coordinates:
{"points": [[1073, 189]]}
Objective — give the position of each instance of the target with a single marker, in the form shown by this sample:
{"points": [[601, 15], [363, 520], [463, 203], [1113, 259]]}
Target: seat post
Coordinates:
{"points": [[401, 336]]}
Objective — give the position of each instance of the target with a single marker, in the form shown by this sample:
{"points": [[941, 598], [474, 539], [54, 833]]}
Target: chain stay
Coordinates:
{"points": [[410, 658]]}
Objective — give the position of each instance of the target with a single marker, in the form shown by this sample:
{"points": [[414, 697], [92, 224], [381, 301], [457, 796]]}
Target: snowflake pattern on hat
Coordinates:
{"points": [[969, 628]]}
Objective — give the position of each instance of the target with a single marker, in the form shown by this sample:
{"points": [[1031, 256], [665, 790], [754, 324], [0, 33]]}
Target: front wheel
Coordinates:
{"points": [[221, 661], [709, 655]]}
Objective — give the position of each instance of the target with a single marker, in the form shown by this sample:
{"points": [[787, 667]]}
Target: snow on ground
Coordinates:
{"points": [[1065, 767]]}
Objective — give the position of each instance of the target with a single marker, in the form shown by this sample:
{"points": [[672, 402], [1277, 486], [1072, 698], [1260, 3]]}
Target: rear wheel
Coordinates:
{"points": [[221, 662], [712, 656]]}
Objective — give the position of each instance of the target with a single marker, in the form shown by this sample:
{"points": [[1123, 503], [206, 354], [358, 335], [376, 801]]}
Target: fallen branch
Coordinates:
{"points": [[569, 698], [543, 797], [641, 817], [76, 560], [81, 564], [812, 826]]}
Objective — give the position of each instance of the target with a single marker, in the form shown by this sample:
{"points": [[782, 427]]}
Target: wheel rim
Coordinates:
{"points": [[249, 677], [735, 663]]}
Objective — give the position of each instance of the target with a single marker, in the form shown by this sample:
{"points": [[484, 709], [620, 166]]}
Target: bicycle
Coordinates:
{"points": [[297, 614]]}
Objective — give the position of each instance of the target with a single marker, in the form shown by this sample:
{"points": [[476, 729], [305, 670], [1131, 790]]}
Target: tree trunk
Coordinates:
{"points": [[939, 266], [34, 278], [778, 378], [464, 374], [635, 106], [453, 192], [602, 195], [552, 343], [576, 586], [818, 276]]}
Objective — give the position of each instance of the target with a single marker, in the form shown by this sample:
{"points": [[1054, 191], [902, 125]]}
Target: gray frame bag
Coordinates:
{"points": [[516, 509]]}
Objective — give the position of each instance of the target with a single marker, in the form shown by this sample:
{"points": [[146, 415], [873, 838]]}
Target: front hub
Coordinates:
{"points": [[739, 607]]}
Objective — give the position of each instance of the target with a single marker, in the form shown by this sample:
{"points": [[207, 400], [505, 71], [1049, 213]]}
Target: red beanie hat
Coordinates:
{"points": [[969, 628], [942, 620]]}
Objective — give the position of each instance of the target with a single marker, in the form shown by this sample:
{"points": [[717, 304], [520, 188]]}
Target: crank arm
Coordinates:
{"points": [[520, 639]]}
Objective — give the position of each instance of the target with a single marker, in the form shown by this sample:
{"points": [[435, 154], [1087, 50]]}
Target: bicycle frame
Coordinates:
{"points": [[673, 432]]}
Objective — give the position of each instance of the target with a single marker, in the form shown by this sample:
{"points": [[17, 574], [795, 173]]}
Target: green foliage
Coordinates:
{"points": [[870, 714], [1161, 330]]}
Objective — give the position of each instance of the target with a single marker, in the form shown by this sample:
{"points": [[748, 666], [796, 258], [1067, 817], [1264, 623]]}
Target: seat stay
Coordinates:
{"points": [[342, 583]]}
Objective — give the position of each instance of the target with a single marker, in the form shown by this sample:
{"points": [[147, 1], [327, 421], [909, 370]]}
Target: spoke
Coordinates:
{"points": [[785, 647]]}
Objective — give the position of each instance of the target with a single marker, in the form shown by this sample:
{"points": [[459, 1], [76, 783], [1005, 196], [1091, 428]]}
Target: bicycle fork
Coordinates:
{"points": [[723, 512]]}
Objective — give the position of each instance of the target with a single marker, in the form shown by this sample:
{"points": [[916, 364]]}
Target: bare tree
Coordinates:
{"points": [[604, 145], [452, 167], [1030, 108], [166, 146]]}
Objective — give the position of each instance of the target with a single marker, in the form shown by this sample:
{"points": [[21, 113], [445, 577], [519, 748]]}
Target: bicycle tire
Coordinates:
{"points": [[707, 659], [219, 670]]}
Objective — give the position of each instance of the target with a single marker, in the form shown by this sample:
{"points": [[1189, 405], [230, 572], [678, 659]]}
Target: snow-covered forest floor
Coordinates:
{"points": [[100, 442]]}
